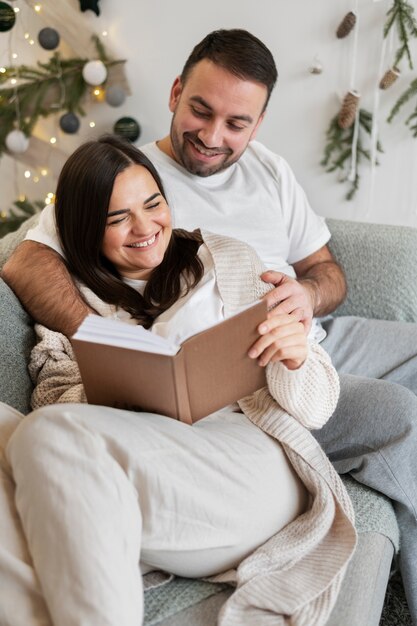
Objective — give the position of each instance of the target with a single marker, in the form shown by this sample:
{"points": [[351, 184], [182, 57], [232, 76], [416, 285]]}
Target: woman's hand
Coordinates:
{"points": [[283, 338]]}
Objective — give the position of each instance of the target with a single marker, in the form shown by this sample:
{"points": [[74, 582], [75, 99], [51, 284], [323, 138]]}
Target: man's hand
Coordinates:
{"points": [[290, 296], [282, 339], [319, 288]]}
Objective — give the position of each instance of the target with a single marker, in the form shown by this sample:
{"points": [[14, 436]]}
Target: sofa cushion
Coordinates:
{"points": [[379, 261], [16, 341]]}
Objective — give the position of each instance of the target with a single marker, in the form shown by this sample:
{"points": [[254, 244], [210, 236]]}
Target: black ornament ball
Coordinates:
{"points": [[128, 128], [69, 123], [48, 38], [7, 17]]}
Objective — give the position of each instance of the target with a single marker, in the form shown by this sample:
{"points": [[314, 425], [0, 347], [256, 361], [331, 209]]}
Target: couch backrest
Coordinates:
{"points": [[380, 262]]}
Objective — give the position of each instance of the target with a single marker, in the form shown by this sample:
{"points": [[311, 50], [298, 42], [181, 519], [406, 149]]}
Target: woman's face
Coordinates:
{"points": [[138, 226]]}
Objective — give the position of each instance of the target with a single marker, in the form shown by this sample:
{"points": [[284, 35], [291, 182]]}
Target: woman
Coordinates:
{"points": [[247, 488]]}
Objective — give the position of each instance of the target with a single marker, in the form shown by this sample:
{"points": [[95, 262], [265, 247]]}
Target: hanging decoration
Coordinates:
{"points": [[90, 5], [389, 78], [7, 17], [411, 121], [338, 150], [48, 38], [346, 25], [69, 123], [401, 14], [115, 95], [128, 128], [16, 141], [316, 67], [347, 113], [44, 90], [94, 72]]}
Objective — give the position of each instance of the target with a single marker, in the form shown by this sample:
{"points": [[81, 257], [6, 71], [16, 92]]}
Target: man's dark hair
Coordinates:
{"points": [[240, 53], [83, 194]]}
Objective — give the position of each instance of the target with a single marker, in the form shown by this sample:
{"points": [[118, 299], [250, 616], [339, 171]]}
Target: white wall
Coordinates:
{"points": [[155, 36]]}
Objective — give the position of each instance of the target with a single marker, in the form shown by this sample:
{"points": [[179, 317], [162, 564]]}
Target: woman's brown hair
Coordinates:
{"points": [[83, 195]]}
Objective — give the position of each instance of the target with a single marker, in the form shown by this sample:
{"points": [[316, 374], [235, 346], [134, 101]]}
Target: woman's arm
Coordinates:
{"points": [[54, 370], [309, 393]]}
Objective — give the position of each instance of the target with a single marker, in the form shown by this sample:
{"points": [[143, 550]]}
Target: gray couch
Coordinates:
{"points": [[379, 263]]}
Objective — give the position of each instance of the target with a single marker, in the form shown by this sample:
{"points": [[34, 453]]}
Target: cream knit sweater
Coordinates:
{"points": [[294, 578]]}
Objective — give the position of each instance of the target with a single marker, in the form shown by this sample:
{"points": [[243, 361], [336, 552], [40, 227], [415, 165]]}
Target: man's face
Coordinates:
{"points": [[215, 116]]}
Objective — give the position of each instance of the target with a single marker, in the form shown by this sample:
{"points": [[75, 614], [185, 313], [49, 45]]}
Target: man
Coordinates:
{"points": [[216, 176]]}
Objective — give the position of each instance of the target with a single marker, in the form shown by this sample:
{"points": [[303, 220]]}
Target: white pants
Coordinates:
{"points": [[98, 490]]}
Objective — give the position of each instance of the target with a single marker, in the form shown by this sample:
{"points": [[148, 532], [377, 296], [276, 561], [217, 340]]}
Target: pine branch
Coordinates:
{"points": [[338, 149], [11, 220], [405, 97], [401, 13]]}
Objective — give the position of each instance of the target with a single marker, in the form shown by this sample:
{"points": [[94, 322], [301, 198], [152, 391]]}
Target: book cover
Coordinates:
{"points": [[209, 371]]}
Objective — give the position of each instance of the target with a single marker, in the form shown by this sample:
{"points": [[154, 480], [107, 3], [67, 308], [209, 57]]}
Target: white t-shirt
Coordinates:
{"points": [[257, 200]]}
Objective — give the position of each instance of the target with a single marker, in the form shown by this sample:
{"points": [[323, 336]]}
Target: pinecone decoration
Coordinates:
{"points": [[389, 77], [346, 25], [348, 109]]}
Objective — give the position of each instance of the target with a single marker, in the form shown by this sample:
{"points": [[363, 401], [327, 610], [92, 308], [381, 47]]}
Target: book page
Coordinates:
{"points": [[113, 332]]}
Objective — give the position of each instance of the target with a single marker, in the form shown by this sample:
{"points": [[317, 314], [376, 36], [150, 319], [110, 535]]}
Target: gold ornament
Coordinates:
{"points": [[346, 25], [389, 77], [348, 109]]}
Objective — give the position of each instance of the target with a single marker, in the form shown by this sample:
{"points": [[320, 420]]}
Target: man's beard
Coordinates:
{"points": [[193, 166]]}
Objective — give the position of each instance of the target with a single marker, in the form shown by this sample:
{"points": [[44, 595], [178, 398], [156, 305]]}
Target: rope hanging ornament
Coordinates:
{"points": [[348, 110], [389, 77], [346, 25]]}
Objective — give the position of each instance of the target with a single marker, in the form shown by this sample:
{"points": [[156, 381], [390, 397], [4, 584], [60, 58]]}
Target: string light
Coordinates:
{"points": [[27, 174], [36, 179], [92, 124], [13, 81], [31, 42], [3, 70], [44, 171], [16, 9], [27, 35], [104, 33], [52, 140], [14, 55], [37, 8]]}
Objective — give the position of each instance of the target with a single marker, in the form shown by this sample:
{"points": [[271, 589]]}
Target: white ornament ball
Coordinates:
{"points": [[16, 141], [115, 95], [94, 72]]}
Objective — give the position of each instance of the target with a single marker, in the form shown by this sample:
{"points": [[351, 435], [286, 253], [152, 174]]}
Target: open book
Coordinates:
{"points": [[128, 367]]}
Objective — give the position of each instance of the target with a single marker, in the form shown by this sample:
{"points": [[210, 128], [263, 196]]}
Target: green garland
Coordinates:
{"points": [[338, 149], [12, 219], [58, 77]]}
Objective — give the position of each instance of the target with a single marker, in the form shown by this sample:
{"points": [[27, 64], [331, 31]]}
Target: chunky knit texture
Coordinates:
{"points": [[294, 578]]}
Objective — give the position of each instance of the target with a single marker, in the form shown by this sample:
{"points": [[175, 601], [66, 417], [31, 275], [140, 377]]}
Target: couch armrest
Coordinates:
{"points": [[380, 263]]}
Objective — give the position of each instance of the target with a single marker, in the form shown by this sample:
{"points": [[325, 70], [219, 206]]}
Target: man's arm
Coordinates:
{"points": [[41, 281], [320, 287]]}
